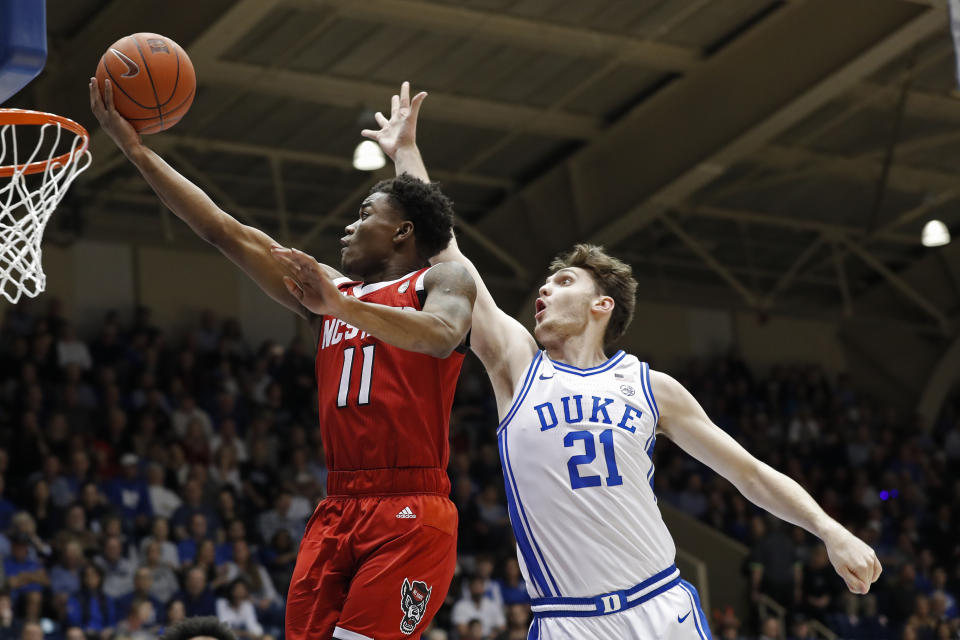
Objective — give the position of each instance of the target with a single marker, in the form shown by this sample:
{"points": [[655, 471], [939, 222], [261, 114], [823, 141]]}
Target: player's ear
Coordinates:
{"points": [[603, 304], [403, 232]]}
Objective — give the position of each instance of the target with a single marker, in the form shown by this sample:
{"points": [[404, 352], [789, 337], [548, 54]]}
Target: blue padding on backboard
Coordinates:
{"points": [[23, 43]]}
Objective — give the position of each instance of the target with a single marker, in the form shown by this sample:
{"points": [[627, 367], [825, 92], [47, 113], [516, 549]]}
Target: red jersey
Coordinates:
{"points": [[384, 411]]}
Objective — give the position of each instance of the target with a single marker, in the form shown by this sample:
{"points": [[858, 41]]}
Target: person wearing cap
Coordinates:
{"points": [[130, 495], [26, 577]]}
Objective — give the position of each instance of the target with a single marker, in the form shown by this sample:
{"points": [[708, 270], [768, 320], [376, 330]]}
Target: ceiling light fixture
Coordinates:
{"points": [[935, 234], [368, 156]]}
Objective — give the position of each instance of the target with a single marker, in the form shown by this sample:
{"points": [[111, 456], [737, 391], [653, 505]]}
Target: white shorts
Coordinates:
{"points": [[674, 614]]}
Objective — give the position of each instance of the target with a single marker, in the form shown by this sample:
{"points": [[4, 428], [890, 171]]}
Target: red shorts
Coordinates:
{"points": [[372, 567]]}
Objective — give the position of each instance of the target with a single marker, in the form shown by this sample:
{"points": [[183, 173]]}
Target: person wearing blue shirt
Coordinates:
{"points": [[198, 599], [24, 574], [65, 575], [91, 609], [142, 584], [199, 531], [129, 494]]}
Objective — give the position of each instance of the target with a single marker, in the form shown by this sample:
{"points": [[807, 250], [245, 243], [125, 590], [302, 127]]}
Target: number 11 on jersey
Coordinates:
{"points": [[366, 374]]}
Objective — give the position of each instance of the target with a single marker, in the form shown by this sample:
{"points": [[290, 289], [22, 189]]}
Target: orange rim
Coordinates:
{"points": [[38, 118]]}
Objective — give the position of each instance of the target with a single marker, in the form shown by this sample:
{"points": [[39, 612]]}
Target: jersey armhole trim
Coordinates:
{"points": [[648, 392], [522, 393]]}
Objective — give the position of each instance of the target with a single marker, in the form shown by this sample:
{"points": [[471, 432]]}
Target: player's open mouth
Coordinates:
{"points": [[540, 307]]}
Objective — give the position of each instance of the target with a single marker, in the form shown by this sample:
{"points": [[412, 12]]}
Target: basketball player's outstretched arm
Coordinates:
{"points": [[503, 345], [684, 421], [247, 247], [436, 330]]}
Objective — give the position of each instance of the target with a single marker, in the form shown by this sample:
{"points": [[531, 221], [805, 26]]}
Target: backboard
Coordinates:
{"points": [[23, 44]]}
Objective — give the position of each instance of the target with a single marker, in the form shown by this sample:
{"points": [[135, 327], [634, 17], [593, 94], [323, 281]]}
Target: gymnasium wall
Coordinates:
{"points": [[177, 284]]}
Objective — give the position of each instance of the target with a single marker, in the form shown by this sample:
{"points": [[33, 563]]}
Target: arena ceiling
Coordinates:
{"points": [[780, 156]]}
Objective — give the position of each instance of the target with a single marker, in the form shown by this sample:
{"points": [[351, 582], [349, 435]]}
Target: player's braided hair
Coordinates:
{"points": [[207, 626], [425, 206], [613, 278]]}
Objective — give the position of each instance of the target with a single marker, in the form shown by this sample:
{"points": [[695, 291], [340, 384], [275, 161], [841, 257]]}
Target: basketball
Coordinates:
{"points": [[153, 79]]}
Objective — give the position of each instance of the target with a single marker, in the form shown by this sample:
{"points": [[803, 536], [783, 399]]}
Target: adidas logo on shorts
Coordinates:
{"points": [[406, 513]]}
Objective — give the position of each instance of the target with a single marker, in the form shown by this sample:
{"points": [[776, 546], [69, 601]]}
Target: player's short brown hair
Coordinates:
{"points": [[612, 277]]}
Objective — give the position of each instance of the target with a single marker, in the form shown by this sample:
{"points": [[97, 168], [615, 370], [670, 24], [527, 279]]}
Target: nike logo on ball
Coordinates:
{"points": [[132, 67], [680, 620]]}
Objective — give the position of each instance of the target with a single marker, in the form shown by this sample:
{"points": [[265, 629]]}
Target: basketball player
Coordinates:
{"points": [[576, 440], [378, 554]]}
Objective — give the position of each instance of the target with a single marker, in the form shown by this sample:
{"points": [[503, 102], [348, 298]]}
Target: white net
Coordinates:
{"points": [[35, 172]]}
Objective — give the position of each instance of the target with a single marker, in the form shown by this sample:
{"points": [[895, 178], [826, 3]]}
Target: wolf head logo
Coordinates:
{"points": [[414, 597]]}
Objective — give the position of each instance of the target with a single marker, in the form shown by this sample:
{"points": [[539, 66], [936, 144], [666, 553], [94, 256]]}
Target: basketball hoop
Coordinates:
{"points": [[31, 186]]}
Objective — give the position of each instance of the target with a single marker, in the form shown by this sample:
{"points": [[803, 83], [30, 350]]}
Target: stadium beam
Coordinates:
{"points": [[843, 62], [701, 252], [536, 35], [898, 283], [322, 159]]}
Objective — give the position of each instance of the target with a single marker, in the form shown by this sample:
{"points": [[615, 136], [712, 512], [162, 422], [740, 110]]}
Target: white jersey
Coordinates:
{"points": [[576, 447]]}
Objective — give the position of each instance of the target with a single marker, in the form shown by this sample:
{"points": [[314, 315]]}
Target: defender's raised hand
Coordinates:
{"points": [[308, 282], [121, 131], [401, 129]]}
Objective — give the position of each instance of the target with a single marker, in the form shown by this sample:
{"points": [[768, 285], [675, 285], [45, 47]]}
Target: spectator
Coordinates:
{"points": [[259, 583], [238, 612], [773, 568], [921, 619], [117, 569], [91, 609], [280, 558], [770, 630], [225, 471], [72, 350], [160, 534], [187, 548], [129, 494], [23, 523], [821, 585], [193, 503], [279, 518], [26, 577], [75, 530], [60, 491], [477, 607], [140, 621], [188, 412], [66, 577], [176, 612], [163, 581], [163, 501], [518, 623], [32, 630], [9, 627], [198, 599], [142, 590], [259, 476], [513, 587], [491, 588], [227, 437]]}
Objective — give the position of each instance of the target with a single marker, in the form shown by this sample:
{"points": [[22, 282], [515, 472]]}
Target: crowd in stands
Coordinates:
{"points": [[148, 476]]}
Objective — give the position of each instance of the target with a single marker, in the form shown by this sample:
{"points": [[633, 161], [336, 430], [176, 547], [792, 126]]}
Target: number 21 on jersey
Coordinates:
{"points": [[366, 374], [589, 454]]}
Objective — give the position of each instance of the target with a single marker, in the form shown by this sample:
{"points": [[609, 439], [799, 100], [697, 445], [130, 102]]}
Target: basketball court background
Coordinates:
{"points": [[765, 166]]}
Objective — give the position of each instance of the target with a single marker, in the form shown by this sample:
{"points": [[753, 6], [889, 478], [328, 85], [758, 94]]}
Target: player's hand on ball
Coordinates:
{"points": [[853, 560], [401, 129], [122, 132], [308, 282]]}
